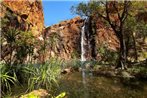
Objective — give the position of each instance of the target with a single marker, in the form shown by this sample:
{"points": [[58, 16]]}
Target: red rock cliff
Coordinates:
{"points": [[28, 11], [66, 43], [23, 15]]}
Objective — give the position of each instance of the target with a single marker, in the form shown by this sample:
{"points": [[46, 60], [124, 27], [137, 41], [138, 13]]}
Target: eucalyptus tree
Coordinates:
{"points": [[115, 14], [85, 10], [135, 28]]}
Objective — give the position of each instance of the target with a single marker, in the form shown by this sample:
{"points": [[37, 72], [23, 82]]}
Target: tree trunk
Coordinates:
{"points": [[127, 46], [122, 53], [134, 43]]}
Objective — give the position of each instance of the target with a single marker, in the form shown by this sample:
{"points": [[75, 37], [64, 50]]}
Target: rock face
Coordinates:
{"points": [[61, 40], [29, 13], [23, 16], [64, 38]]}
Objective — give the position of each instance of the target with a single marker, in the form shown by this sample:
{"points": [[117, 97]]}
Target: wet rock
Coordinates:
{"points": [[67, 70], [125, 75], [110, 73], [88, 66], [80, 69]]}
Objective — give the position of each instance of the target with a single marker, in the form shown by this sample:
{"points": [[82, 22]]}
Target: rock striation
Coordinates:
{"points": [[66, 37], [29, 14], [63, 39], [25, 16], [60, 40]]}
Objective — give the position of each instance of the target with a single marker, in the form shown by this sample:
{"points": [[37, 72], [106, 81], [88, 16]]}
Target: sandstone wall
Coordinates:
{"points": [[63, 39], [69, 38], [23, 15], [27, 11]]}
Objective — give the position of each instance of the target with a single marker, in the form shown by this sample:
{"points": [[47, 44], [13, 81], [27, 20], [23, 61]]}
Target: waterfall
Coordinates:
{"points": [[87, 45], [83, 51]]}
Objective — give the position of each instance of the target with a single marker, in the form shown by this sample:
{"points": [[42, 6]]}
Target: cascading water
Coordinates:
{"points": [[86, 45], [83, 52], [83, 55], [83, 44], [85, 41]]}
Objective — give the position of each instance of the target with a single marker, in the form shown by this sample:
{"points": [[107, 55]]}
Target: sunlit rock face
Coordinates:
{"points": [[64, 39], [61, 40], [29, 13], [23, 15]]}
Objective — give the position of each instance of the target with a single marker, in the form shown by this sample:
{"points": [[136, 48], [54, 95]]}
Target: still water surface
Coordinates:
{"points": [[100, 87]]}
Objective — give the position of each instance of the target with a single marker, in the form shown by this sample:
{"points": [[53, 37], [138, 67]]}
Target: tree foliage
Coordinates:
{"points": [[117, 15], [16, 44]]}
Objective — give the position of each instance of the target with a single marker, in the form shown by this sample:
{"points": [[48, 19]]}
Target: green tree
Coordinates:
{"points": [[87, 10], [106, 10], [135, 28]]}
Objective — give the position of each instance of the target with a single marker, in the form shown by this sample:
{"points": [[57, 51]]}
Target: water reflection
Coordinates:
{"points": [[82, 85]]}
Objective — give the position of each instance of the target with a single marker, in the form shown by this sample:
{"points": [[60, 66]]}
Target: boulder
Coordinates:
{"points": [[41, 93]]}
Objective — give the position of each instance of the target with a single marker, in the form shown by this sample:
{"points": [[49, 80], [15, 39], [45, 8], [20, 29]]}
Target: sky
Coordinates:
{"points": [[58, 10]]}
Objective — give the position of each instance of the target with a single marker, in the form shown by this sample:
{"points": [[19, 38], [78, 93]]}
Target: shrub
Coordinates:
{"points": [[8, 77], [107, 55], [45, 75]]}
